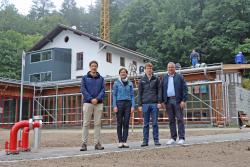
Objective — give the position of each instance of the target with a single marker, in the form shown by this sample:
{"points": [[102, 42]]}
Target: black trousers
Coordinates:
{"points": [[175, 113], [123, 117]]}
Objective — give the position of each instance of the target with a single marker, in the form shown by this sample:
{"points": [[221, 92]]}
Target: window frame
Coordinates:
{"points": [[122, 58], [109, 57], [41, 56], [30, 75], [40, 76], [46, 73], [79, 53]]}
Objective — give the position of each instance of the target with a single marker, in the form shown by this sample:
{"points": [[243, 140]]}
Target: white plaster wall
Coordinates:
{"points": [[91, 51]]}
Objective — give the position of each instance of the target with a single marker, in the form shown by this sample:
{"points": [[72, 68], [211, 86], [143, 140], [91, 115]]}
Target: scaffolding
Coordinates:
{"points": [[207, 101]]}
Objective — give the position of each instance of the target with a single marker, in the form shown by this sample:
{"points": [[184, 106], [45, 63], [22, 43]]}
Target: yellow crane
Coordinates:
{"points": [[104, 28]]}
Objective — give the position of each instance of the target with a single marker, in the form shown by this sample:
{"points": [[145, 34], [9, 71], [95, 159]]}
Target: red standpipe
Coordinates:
{"points": [[25, 139], [13, 134]]}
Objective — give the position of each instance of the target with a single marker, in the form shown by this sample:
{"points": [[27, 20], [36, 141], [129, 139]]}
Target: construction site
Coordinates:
{"points": [[41, 122], [212, 92]]}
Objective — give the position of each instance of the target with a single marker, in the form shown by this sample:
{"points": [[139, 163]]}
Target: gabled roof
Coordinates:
{"points": [[49, 37]]}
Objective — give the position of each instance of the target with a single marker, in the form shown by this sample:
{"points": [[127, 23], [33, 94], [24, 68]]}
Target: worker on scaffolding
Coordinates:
{"points": [[240, 58], [194, 58]]}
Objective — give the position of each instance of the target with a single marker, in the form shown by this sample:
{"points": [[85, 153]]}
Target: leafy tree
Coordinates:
{"points": [[41, 8], [71, 13], [12, 44]]}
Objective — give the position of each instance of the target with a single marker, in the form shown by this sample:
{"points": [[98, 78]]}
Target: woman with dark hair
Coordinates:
{"points": [[123, 105]]}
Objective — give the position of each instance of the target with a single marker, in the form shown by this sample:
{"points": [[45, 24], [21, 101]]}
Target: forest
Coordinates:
{"points": [[164, 29]]}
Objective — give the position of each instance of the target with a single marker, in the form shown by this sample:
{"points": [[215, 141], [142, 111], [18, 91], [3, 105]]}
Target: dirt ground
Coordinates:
{"points": [[227, 154], [72, 137]]}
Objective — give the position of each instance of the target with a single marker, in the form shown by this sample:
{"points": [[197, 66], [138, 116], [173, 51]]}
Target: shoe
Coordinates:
{"points": [[84, 147], [157, 144], [171, 141], [98, 146], [120, 145], [125, 145], [243, 126], [181, 142], [144, 144]]}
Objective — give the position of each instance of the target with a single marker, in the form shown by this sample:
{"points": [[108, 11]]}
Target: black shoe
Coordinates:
{"points": [[84, 147], [144, 144], [157, 144], [98, 146]]}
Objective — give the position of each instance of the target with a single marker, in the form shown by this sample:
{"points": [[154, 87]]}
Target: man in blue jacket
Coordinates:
{"points": [[93, 91], [175, 94], [239, 58]]}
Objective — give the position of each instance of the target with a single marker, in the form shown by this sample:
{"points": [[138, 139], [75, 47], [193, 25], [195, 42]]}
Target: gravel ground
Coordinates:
{"points": [[226, 154], [72, 137]]}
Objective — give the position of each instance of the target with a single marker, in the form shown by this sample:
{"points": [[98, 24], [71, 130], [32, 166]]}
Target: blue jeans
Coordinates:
{"points": [[175, 112], [150, 109], [194, 61], [123, 117]]}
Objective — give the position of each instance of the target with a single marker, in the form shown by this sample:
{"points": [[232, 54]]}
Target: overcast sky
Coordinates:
{"points": [[23, 6]]}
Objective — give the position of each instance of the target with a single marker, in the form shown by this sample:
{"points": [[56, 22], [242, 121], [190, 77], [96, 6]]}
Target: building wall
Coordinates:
{"points": [[242, 100], [239, 100], [91, 51], [105, 67], [59, 65], [62, 64]]}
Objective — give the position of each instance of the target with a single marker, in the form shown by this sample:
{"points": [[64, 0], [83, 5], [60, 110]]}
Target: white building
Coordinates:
{"points": [[84, 48]]}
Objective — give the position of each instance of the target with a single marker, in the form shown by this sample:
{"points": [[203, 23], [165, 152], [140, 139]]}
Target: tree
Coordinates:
{"points": [[41, 8], [71, 13], [3, 4], [11, 47]]}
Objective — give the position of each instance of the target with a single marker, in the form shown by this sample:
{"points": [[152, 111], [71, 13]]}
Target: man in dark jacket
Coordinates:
{"points": [[175, 94], [93, 91], [149, 99], [194, 57]]}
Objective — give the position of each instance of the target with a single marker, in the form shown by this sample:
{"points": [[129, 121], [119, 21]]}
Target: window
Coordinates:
{"points": [[41, 56], [41, 77], [35, 57], [66, 39], [79, 61], [109, 57], [46, 76], [35, 78], [46, 56], [122, 61]]}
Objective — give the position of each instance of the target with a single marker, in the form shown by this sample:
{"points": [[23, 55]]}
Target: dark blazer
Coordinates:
{"points": [[149, 91], [180, 87]]}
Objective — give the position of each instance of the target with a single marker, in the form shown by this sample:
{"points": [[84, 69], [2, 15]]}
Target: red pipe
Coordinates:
{"points": [[13, 134], [25, 139]]}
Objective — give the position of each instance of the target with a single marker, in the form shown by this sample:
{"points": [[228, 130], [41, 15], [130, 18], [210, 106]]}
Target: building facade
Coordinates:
{"points": [[74, 47]]}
